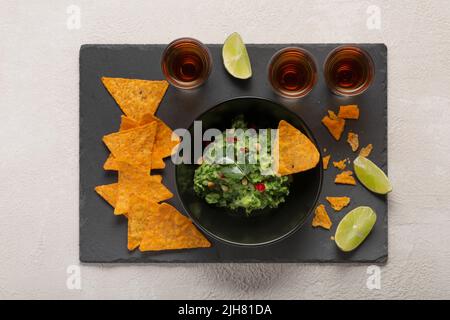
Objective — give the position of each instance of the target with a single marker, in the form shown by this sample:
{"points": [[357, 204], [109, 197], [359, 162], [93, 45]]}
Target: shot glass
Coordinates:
{"points": [[348, 70], [186, 63], [292, 72]]}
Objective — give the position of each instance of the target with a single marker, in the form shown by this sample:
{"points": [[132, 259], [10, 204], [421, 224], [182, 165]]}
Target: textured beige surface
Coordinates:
{"points": [[39, 145]]}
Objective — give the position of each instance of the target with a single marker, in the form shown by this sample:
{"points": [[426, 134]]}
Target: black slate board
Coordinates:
{"points": [[103, 235]]}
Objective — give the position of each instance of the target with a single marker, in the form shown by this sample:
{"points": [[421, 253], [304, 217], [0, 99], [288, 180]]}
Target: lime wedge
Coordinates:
{"points": [[235, 57], [354, 228], [372, 177]]}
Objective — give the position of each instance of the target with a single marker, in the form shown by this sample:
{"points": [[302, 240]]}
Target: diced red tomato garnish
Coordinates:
{"points": [[261, 187]]}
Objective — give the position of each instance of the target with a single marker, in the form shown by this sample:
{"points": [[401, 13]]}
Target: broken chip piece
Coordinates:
{"points": [[334, 124], [365, 151], [169, 230], [338, 203], [349, 112], [326, 161], [136, 97], [108, 192], [340, 164], [321, 218], [353, 141], [345, 177], [294, 151]]}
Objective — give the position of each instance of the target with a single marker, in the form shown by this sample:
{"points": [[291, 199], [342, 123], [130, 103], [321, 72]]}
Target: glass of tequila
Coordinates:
{"points": [[292, 72], [186, 63], [348, 70]]}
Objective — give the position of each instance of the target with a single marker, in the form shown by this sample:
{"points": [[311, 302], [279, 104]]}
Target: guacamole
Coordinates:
{"points": [[240, 175]]}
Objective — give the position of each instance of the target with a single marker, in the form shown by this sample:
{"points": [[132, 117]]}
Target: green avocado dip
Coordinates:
{"points": [[235, 173]]}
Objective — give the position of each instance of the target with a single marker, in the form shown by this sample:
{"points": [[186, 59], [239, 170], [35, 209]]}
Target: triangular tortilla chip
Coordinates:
{"points": [[165, 141], [294, 152], [127, 123], [111, 163], [136, 97], [170, 230], [334, 124], [349, 112], [338, 203], [108, 192], [134, 181], [345, 177], [321, 218], [133, 146], [139, 217]]}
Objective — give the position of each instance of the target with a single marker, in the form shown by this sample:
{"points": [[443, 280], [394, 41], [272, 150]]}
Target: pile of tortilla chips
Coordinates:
{"points": [[139, 147]]}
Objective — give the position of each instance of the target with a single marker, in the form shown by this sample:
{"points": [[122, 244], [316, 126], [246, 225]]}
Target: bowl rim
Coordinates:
{"points": [[287, 234]]}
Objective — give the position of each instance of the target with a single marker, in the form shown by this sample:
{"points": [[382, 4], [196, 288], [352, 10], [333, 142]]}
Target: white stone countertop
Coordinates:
{"points": [[39, 77]]}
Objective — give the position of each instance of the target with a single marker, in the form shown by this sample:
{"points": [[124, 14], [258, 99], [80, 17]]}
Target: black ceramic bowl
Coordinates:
{"points": [[263, 226]]}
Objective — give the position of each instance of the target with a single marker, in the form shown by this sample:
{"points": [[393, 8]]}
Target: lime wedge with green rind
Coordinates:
{"points": [[235, 57], [354, 228], [371, 176]]}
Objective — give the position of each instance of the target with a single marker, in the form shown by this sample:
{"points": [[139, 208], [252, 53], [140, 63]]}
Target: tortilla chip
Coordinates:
{"points": [[135, 181], [365, 151], [108, 192], [136, 97], [127, 123], [326, 161], [353, 141], [111, 163], [345, 177], [170, 230], [338, 203], [133, 146], [321, 218], [164, 145], [139, 217], [294, 151], [349, 112], [340, 164], [334, 124]]}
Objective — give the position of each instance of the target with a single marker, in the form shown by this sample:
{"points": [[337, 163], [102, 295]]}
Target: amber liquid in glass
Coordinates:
{"points": [[348, 71], [292, 72], [186, 63]]}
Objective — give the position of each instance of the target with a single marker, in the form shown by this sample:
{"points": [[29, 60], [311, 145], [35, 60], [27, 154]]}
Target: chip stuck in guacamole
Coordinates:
{"points": [[224, 181], [238, 170]]}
